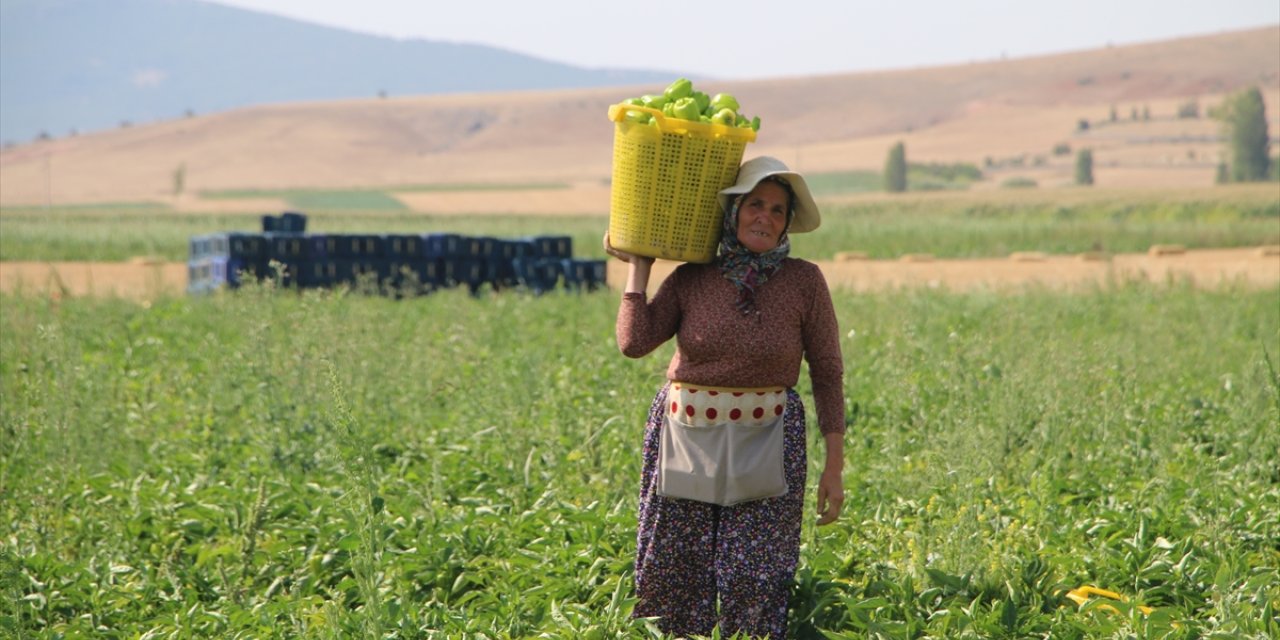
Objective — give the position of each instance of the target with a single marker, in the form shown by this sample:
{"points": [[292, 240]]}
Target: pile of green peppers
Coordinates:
{"points": [[680, 100]]}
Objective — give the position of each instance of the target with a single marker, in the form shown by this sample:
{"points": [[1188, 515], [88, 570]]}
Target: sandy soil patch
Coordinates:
{"points": [[586, 199], [143, 280], [135, 280]]}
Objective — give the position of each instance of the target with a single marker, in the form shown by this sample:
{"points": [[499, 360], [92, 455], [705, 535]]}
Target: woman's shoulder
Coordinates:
{"points": [[801, 266], [695, 269]]}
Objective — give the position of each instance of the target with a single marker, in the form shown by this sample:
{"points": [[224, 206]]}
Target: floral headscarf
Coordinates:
{"points": [[745, 268]]}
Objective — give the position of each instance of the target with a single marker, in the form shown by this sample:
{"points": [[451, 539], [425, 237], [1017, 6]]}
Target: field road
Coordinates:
{"points": [[1256, 266]]}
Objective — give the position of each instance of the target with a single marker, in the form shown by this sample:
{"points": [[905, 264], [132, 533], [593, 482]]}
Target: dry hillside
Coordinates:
{"points": [[1010, 113]]}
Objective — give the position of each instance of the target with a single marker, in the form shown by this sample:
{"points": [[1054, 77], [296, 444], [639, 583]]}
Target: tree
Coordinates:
{"points": [[895, 169], [1245, 119], [1224, 174], [1084, 167]]}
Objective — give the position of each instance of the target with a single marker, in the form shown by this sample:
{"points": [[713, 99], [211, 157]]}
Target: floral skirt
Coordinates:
{"points": [[699, 565]]}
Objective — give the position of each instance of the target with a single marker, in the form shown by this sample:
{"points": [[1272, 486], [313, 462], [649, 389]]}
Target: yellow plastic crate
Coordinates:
{"points": [[665, 180]]}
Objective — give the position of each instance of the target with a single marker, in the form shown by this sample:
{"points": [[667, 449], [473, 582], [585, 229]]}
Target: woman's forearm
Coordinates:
{"points": [[638, 275], [835, 452]]}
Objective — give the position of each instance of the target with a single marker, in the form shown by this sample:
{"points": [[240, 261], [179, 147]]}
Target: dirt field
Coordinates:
{"points": [[141, 280], [1004, 115]]}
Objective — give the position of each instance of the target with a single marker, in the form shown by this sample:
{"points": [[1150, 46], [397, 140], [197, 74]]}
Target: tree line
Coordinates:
{"points": [[1244, 120]]}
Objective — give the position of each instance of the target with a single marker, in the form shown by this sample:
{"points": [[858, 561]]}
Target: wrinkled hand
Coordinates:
{"points": [[830, 497], [620, 254]]}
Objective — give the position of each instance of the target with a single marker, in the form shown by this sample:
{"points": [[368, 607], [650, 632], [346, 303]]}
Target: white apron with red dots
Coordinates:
{"points": [[721, 445]]}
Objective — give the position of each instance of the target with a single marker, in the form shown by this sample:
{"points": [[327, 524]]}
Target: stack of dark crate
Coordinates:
{"points": [[224, 259], [390, 263]]}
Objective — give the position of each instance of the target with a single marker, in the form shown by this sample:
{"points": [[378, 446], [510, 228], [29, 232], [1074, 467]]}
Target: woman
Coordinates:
{"points": [[742, 322]]}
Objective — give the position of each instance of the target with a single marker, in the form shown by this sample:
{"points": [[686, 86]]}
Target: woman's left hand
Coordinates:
{"points": [[830, 496]]}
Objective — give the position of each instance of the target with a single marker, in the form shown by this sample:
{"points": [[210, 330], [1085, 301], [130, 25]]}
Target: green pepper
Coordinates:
{"points": [[681, 88], [725, 117], [724, 101], [652, 101], [704, 102], [687, 109]]}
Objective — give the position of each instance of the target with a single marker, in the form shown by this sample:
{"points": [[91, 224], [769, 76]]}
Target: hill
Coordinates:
{"points": [[1006, 115], [88, 65]]}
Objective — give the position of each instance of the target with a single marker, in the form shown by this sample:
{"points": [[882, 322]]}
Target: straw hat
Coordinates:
{"points": [[754, 170]]}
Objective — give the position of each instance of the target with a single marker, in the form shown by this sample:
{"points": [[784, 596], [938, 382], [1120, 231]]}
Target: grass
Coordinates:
{"points": [[942, 224], [331, 465], [920, 177], [997, 224], [119, 235], [945, 224]]}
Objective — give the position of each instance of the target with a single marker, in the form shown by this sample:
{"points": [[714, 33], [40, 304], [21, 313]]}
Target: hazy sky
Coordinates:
{"points": [[738, 39]]}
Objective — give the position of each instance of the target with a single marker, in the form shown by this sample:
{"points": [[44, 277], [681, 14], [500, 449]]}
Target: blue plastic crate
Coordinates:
{"points": [[293, 222], [473, 273], [538, 274], [322, 246], [553, 246], [404, 246], [469, 271], [319, 274], [426, 275], [517, 248], [442, 245], [373, 272], [250, 247], [287, 247], [241, 270], [198, 276], [200, 247], [506, 252], [359, 246], [217, 266], [479, 247], [584, 274]]}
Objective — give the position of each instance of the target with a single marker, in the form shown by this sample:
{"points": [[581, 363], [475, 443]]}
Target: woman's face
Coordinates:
{"points": [[762, 217]]}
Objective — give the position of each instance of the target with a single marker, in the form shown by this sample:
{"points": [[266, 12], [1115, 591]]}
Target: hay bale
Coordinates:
{"points": [[1028, 256], [850, 256], [1269, 250], [917, 257], [1093, 256], [1166, 250]]}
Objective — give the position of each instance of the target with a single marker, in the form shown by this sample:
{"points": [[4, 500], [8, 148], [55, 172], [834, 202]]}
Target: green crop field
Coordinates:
{"points": [[266, 464], [945, 225]]}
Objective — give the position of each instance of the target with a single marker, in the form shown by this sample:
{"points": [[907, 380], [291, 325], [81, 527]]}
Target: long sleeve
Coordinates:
{"points": [[643, 326], [826, 364], [717, 345]]}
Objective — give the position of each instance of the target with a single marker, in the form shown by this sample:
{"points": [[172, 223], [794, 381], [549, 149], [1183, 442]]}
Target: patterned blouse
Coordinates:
{"points": [[716, 345]]}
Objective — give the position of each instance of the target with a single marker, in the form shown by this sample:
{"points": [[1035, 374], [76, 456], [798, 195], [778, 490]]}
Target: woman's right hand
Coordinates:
{"points": [[623, 255]]}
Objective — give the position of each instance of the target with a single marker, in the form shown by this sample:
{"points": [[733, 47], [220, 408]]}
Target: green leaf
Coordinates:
{"points": [[1009, 616]]}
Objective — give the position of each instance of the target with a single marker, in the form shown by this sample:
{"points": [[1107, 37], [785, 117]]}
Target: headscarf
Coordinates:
{"points": [[745, 268]]}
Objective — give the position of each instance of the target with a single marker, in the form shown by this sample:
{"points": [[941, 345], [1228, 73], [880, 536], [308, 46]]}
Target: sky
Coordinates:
{"points": [[753, 39]]}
